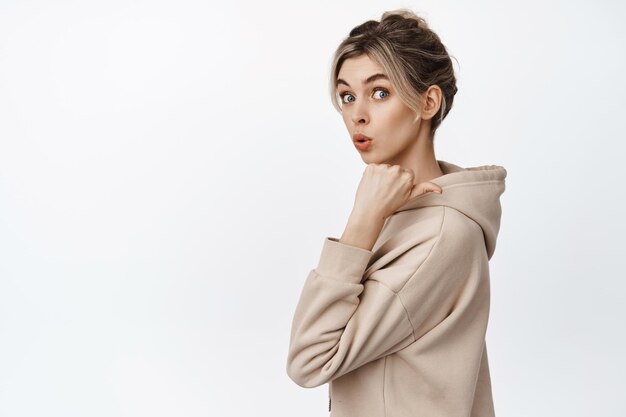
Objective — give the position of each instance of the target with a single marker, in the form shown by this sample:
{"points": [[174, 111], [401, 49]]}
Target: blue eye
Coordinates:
{"points": [[382, 90], [344, 95]]}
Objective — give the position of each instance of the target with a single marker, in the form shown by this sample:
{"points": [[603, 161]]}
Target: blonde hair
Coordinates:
{"points": [[411, 54]]}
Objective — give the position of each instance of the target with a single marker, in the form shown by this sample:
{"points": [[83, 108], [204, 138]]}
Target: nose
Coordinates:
{"points": [[360, 114]]}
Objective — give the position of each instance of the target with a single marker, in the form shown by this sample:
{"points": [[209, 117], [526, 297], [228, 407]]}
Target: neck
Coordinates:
{"points": [[421, 159]]}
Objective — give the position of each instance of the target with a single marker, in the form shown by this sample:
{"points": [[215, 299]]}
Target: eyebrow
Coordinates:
{"points": [[368, 80]]}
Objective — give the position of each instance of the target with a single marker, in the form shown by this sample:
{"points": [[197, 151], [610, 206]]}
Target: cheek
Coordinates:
{"points": [[397, 121], [346, 119]]}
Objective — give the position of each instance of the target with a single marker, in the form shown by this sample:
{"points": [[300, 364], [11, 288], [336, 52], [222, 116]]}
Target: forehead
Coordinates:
{"points": [[358, 68]]}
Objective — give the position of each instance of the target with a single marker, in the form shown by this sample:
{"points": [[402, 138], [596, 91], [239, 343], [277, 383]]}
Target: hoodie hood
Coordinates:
{"points": [[474, 191]]}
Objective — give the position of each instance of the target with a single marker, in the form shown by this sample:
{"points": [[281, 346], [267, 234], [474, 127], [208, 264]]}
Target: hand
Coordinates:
{"points": [[384, 188]]}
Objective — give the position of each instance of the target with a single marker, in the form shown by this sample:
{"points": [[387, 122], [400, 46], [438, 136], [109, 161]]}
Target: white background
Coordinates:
{"points": [[168, 171]]}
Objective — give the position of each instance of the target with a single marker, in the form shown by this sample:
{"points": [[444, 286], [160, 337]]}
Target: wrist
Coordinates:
{"points": [[366, 217], [363, 230]]}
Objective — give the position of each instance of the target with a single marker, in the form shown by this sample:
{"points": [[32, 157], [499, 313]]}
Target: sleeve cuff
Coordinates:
{"points": [[342, 261]]}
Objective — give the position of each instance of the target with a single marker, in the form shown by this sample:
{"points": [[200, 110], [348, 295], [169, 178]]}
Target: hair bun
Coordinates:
{"points": [[404, 14]]}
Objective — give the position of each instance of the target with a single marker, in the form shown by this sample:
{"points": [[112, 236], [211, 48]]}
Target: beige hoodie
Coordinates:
{"points": [[399, 331]]}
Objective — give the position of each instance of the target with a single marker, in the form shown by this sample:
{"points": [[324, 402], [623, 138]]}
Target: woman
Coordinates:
{"points": [[395, 314]]}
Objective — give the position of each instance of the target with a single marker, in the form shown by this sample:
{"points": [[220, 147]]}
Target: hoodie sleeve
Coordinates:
{"points": [[341, 323]]}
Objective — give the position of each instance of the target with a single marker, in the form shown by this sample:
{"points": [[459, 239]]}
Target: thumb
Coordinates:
{"points": [[425, 187]]}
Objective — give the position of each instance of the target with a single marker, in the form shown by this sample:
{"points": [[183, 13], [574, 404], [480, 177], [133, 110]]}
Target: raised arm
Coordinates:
{"points": [[340, 323]]}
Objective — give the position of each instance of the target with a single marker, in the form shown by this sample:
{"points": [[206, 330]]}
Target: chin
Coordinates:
{"points": [[371, 158], [368, 159]]}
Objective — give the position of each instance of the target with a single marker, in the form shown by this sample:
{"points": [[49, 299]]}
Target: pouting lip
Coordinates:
{"points": [[359, 136]]}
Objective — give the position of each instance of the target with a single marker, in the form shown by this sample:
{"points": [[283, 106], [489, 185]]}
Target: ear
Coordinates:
{"points": [[432, 101]]}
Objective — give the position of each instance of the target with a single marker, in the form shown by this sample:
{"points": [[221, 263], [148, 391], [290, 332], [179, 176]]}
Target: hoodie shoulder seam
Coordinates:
{"points": [[465, 216]]}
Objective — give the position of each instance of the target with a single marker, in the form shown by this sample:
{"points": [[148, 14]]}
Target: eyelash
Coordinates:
{"points": [[342, 95]]}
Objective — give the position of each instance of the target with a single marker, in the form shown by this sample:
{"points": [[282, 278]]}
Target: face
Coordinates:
{"points": [[371, 106]]}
